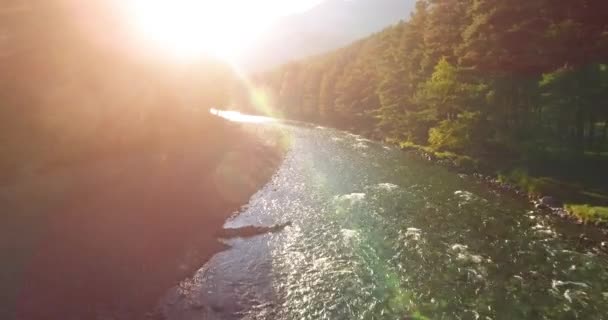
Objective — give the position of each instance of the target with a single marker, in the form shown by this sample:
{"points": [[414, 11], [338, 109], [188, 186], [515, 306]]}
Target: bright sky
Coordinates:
{"points": [[190, 28]]}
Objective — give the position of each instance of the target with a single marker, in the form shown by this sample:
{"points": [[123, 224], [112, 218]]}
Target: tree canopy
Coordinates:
{"points": [[477, 77]]}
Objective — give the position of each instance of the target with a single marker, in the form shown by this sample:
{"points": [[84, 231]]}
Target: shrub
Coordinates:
{"points": [[589, 213], [458, 135]]}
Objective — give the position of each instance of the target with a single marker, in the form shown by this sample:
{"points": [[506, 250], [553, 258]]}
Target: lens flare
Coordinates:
{"points": [[191, 28]]}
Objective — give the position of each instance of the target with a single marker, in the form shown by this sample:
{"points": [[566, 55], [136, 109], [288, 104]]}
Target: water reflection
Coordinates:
{"points": [[236, 116]]}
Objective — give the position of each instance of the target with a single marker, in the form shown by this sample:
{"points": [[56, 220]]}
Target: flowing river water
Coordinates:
{"points": [[378, 234]]}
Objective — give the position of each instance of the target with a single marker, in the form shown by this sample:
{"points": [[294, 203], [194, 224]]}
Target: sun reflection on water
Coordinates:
{"points": [[236, 116]]}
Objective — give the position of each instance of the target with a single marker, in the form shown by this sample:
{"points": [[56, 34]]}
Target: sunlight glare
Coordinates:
{"points": [[236, 116], [222, 28]]}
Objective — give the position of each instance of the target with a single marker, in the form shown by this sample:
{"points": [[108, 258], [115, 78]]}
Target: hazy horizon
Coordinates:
{"points": [[257, 36], [326, 26]]}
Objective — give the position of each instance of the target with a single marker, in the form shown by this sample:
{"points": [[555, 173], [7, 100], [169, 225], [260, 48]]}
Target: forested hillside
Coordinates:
{"points": [[516, 87], [330, 25], [514, 83]]}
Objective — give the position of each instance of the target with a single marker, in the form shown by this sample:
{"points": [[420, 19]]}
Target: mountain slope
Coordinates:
{"points": [[330, 25]]}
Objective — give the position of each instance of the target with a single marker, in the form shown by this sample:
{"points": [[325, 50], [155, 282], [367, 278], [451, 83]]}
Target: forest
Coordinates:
{"points": [[519, 87]]}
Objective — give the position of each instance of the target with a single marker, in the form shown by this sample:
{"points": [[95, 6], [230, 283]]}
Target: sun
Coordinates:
{"points": [[191, 28]]}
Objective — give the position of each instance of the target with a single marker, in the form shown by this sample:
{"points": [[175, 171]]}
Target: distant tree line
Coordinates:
{"points": [[477, 77]]}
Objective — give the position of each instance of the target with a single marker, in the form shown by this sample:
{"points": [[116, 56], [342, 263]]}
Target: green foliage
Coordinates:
{"points": [[567, 191], [440, 94], [534, 186], [589, 214], [457, 135], [464, 163], [573, 98]]}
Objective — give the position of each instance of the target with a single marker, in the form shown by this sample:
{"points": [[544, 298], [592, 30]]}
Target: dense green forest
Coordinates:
{"points": [[513, 83]]}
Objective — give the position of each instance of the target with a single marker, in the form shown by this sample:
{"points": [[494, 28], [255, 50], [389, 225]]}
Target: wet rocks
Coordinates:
{"points": [[550, 202], [251, 231], [545, 203]]}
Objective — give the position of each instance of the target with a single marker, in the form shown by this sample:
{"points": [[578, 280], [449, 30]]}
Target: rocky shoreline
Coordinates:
{"points": [[545, 203]]}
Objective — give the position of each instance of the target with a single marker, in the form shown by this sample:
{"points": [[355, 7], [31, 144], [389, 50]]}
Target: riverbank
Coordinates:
{"points": [[580, 191], [106, 239], [583, 204]]}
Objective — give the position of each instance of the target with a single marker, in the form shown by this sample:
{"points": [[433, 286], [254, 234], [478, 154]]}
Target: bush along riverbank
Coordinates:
{"points": [[573, 201], [124, 230]]}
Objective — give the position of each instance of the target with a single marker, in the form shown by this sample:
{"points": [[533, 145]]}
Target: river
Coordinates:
{"points": [[378, 234]]}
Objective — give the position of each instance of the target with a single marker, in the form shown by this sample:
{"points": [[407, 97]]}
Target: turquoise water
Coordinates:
{"points": [[377, 234]]}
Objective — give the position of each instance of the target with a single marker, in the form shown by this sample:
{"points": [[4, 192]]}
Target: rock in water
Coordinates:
{"points": [[251, 231], [550, 202]]}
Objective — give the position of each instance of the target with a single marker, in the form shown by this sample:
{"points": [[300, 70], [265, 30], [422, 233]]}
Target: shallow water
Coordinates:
{"points": [[376, 234]]}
